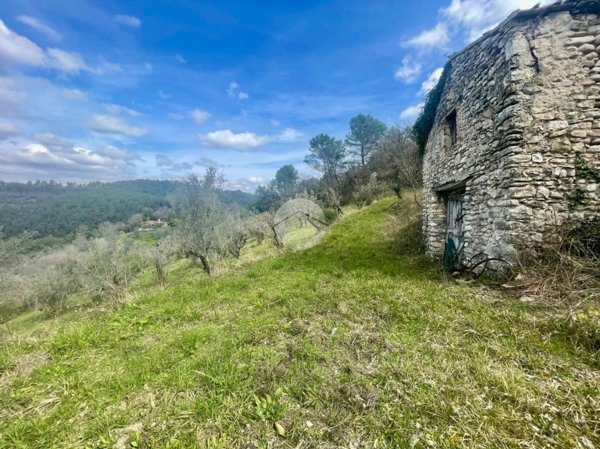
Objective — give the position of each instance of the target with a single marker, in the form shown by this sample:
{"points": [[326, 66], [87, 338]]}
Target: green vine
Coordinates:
{"points": [[426, 119], [584, 170], [578, 197]]}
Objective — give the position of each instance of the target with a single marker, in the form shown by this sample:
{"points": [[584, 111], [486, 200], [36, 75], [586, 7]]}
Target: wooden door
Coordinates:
{"points": [[455, 223]]}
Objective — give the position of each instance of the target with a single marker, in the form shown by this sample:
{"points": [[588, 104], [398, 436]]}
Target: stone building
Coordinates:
{"points": [[515, 144]]}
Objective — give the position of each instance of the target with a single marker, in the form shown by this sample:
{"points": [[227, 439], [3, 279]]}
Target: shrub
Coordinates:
{"points": [[330, 215], [567, 263], [369, 192]]}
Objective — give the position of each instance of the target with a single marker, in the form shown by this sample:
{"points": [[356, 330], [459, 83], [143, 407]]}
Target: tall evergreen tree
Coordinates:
{"points": [[285, 180], [326, 154], [365, 132]]}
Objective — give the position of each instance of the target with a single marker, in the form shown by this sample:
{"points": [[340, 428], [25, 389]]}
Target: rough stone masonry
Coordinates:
{"points": [[516, 137]]}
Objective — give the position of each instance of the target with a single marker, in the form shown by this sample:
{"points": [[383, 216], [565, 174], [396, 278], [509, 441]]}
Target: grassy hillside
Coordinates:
{"points": [[356, 343]]}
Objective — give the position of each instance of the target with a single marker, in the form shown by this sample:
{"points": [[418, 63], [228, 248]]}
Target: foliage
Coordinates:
{"points": [[369, 192], [49, 208], [566, 263], [267, 198], [584, 170], [258, 226], [98, 269], [206, 229], [426, 119], [365, 132], [328, 155], [285, 181], [330, 198], [357, 344], [330, 214], [397, 160]]}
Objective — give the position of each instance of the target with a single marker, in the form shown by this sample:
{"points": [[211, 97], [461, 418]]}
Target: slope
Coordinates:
{"points": [[356, 342]]}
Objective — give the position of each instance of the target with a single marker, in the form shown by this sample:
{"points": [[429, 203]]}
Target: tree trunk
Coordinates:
{"points": [[276, 238], [205, 264]]}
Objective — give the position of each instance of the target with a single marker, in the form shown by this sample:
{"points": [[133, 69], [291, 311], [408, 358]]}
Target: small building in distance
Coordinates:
{"points": [[514, 148]]}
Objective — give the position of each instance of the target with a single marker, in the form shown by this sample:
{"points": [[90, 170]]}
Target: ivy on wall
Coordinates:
{"points": [[426, 119], [583, 170]]}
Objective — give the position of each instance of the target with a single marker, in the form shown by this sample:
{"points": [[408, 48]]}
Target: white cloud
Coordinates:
{"points": [[17, 49], [163, 161], [119, 109], [233, 91], [40, 26], [175, 116], [114, 125], [73, 94], [164, 95], [275, 122], [180, 58], [431, 80], [106, 67], [478, 16], [411, 112], [65, 61], [53, 142], [467, 18], [248, 184], [8, 130], [35, 160], [116, 153], [435, 37], [409, 71], [170, 165], [9, 92], [226, 139], [200, 116], [129, 21], [207, 162], [233, 87], [289, 135]]}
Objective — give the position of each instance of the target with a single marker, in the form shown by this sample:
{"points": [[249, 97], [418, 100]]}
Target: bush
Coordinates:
{"points": [[369, 192], [330, 215], [567, 263]]}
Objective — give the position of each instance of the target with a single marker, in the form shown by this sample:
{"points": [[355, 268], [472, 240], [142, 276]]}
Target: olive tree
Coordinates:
{"points": [[200, 218]]}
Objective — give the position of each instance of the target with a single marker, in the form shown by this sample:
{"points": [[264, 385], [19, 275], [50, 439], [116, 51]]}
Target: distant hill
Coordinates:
{"points": [[51, 208]]}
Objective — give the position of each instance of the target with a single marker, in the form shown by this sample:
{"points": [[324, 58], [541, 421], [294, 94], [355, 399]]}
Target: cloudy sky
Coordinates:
{"points": [[106, 90]]}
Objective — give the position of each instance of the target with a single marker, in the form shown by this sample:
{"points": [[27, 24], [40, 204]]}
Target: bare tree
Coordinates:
{"points": [[258, 226], [398, 161]]}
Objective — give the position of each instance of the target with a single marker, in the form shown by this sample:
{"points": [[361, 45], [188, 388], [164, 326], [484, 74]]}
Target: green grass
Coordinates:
{"points": [[357, 342], [301, 237]]}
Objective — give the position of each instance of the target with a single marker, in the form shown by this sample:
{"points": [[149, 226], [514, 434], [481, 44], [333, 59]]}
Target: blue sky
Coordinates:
{"points": [[107, 90]]}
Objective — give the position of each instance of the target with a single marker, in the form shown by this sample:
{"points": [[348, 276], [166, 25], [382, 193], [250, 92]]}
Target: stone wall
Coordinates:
{"points": [[527, 100]]}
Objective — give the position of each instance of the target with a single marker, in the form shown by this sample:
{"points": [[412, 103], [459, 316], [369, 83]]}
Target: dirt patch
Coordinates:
{"points": [[24, 365], [123, 435]]}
